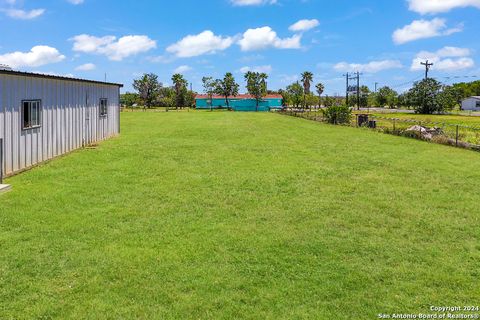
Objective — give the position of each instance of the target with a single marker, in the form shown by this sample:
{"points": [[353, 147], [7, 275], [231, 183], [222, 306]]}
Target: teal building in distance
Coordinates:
{"points": [[242, 102]]}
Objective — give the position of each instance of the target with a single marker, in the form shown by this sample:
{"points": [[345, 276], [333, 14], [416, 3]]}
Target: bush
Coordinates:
{"points": [[337, 114]]}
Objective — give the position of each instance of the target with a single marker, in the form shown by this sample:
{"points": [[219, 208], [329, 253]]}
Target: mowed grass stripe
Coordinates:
{"points": [[241, 215]]}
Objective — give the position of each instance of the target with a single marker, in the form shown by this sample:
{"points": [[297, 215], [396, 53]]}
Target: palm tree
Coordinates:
{"points": [[256, 85], [227, 87], [307, 78], [320, 89], [180, 84]]}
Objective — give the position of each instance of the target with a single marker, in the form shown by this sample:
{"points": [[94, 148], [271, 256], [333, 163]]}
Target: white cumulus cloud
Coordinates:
{"points": [[86, 67], [23, 14], [115, 49], [265, 37], [56, 74], [262, 69], [243, 3], [203, 43], [437, 6], [445, 59], [423, 29], [304, 25], [182, 69], [370, 67], [36, 57]]}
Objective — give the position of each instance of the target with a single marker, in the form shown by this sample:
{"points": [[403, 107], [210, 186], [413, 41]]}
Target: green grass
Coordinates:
{"points": [[226, 215], [472, 121], [469, 126]]}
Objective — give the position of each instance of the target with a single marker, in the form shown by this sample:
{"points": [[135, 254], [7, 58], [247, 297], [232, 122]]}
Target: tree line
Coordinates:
{"points": [[426, 96], [151, 93]]}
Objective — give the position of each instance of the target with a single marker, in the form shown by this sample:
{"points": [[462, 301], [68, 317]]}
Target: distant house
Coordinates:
{"points": [[44, 116], [472, 103], [242, 102]]}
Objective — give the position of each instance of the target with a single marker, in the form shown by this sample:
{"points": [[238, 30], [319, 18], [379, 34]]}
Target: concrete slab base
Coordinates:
{"points": [[5, 188]]}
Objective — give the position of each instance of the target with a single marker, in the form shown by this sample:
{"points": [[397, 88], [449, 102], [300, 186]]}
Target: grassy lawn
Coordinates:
{"points": [[195, 215], [469, 126], [472, 121]]}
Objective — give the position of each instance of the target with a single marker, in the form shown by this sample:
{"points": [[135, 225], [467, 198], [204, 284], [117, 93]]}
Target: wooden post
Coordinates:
{"points": [[456, 137]]}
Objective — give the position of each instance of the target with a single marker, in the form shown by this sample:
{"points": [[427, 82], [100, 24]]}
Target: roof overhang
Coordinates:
{"points": [[47, 76]]}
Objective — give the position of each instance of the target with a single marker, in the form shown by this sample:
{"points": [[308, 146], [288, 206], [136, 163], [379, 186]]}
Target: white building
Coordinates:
{"points": [[43, 116], [472, 103]]}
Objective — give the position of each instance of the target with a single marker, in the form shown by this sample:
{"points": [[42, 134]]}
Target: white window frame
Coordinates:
{"points": [[103, 110], [31, 103]]}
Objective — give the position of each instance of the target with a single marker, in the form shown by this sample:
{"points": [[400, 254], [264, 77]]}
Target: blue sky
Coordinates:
{"points": [[385, 40]]}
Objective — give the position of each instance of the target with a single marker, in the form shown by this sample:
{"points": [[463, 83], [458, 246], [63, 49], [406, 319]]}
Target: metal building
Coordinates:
{"points": [[472, 103], [43, 116], [241, 102]]}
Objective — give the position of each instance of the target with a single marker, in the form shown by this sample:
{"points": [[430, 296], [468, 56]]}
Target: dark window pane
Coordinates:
{"points": [[26, 115]]}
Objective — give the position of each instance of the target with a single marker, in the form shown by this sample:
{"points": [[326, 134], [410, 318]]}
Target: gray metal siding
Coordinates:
{"points": [[70, 118], [470, 104]]}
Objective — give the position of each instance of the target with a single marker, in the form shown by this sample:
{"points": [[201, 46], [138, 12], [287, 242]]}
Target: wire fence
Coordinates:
{"points": [[458, 135]]}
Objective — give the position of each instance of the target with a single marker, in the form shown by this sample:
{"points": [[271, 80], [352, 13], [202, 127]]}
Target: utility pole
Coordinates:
{"points": [[348, 78], [355, 77], [358, 90], [376, 84], [427, 67]]}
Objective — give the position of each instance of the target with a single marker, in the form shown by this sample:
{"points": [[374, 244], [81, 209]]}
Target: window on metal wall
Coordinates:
{"points": [[103, 107], [478, 104], [31, 114]]}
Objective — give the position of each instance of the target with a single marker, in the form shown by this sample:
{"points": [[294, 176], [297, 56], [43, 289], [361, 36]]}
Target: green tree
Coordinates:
{"points": [[307, 78], [296, 92], [373, 99], [320, 90], [166, 98], [328, 101], [386, 96], [311, 100], [423, 96], [285, 97], [209, 85], [256, 85], [147, 87], [448, 98], [180, 85], [364, 94], [337, 114], [467, 89], [404, 101], [227, 87], [128, 99], [190, 99]]}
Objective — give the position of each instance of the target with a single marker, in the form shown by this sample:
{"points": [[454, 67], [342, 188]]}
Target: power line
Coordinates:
{"points": [[405, 83]]}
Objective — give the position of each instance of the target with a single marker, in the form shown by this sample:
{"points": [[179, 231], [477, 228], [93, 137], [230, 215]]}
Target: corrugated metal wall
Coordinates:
{"points": [[70, 118], [240, 104]]}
